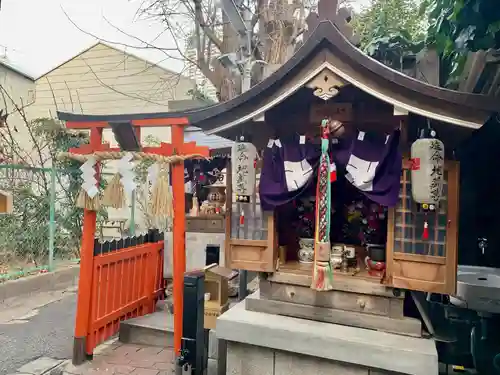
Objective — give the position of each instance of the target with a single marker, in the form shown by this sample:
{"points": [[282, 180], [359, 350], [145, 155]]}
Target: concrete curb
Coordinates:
{"points": [[45, 282], [43, 366]]}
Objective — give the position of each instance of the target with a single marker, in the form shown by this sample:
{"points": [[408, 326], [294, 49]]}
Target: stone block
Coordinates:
{"points": [[212, 345], [196, 244], [212, 367], [297, 364], [153, 329], [357, 346], [249, 360]]}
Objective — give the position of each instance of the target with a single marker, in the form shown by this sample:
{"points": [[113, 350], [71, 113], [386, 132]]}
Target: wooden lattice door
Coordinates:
{"points": [[428, 265]]}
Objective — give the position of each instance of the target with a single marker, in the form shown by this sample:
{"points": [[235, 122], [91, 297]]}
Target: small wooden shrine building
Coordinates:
{"points": [[360, 326]]}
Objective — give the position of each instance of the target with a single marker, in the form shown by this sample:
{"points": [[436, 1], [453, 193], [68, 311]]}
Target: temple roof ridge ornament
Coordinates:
{"points": [[328, 10]]}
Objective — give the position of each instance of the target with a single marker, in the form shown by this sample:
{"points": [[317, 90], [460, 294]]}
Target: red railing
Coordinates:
{"points": [[126, 283]]}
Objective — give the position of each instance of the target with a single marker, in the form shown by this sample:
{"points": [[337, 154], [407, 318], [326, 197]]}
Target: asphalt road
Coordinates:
{"points": [[35, 327]]}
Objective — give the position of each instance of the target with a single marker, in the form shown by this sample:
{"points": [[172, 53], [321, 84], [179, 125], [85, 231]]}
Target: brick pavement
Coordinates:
{"points": [[119, 358]]}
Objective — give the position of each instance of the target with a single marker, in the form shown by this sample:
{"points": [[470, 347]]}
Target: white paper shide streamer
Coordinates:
{"points": [[88, 176], [153, 172], [125, 168]]}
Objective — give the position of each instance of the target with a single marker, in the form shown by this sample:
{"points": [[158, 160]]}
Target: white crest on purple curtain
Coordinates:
{"points": [[297, 173], [361, 173], [373, 165]]}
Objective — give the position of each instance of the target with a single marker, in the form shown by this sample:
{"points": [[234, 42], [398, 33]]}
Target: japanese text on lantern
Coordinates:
{"points": [[243, 156], [242, 169], [436, 161]]}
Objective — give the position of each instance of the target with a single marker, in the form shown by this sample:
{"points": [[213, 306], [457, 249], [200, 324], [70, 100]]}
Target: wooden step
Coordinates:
{"points": [[403, 326]]}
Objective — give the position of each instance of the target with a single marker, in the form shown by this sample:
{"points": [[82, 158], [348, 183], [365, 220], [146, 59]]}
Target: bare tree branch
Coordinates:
{"points": [[276, 27], [146, 46]]}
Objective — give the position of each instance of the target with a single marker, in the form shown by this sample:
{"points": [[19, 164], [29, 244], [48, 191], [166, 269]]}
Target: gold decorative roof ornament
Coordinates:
{"points": [[326, 84]]}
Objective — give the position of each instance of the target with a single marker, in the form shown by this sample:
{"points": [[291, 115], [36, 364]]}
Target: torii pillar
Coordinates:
{"points": [[86, 249], [178, 147]]}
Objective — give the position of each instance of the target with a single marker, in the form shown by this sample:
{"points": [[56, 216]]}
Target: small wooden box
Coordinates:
{"points": [[216, 284], [6, 202], [212, 312]]}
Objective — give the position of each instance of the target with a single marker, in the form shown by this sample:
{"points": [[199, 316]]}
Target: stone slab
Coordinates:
{"points": [[372, 349], [40, 366], [297, 364], [249, 360], [160, 320], [157, 329]]}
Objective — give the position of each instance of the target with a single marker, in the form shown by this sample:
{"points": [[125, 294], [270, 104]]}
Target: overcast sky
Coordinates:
{"points": [[37, 36]]}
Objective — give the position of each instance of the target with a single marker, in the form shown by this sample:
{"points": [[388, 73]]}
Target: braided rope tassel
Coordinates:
{"points": [[322, 275]]}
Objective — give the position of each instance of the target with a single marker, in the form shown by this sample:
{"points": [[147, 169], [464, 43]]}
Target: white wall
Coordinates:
{"points": [[19, 91], [105, 80]]}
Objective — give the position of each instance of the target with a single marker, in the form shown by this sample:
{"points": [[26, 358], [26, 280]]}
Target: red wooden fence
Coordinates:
{"points": [[126, 282]]}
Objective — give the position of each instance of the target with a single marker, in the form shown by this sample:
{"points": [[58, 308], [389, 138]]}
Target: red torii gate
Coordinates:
{"points": [[176, 147]]}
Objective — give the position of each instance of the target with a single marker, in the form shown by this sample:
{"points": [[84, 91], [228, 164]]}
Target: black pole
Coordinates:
{"points": [[243, 287]]}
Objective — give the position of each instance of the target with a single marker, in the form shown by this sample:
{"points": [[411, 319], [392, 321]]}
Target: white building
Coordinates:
{"points": [[17, 93], [104, 79]]}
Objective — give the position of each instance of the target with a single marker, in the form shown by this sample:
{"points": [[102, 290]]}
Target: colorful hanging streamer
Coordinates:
{"points": [[323, 275]]}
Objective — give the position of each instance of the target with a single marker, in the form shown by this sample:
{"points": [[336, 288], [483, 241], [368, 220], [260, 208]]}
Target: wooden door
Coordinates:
{"points": [[252, 254], [412, 262], [253, 245]]}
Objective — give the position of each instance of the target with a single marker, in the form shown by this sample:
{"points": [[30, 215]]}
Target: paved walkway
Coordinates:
{"points": [[34, 326], [118, 358]]}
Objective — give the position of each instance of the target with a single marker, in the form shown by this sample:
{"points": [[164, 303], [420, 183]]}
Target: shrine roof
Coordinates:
{"points": [[326, 48]]}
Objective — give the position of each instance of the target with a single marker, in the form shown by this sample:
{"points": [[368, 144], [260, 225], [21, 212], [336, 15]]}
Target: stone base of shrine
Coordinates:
{"points": [[268, 344]]}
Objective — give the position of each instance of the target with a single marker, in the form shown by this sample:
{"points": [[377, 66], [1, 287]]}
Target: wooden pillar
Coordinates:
{"points": [[179, 232], [86, 270]]}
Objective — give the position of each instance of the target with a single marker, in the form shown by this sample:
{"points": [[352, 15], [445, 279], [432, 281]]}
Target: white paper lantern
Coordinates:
{"points": [[427, 170], [243, 161]]}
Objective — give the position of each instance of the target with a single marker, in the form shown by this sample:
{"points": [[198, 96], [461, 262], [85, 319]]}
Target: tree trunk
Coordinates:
{"points": [[229, 84]]}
